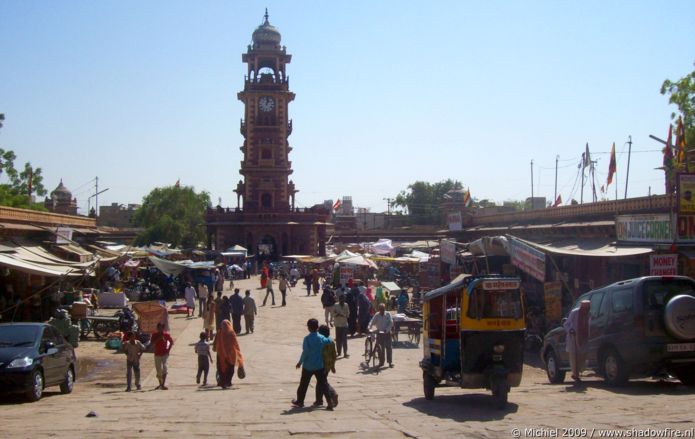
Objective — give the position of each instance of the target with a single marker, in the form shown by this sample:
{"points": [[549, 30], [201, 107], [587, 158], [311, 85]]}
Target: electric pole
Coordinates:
{"points": [[388, 212], [627, 173], [557, 158], [531, 184]]}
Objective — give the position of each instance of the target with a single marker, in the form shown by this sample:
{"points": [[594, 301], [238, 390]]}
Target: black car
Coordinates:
{"points": [[34, 356], [638, 328]]}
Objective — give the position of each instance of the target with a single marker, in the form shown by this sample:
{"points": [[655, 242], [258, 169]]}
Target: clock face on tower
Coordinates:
{"points": [[266, 103]]}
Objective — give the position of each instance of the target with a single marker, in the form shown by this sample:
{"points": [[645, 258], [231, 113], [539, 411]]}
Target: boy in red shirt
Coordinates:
{"points": [[162, 342]]}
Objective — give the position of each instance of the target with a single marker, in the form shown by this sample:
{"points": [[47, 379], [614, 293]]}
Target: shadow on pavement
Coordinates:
{"points": [[642, 387], [460, 408]]}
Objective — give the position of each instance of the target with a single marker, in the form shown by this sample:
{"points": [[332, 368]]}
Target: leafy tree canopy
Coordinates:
{"points": [[422, 200], [173, 215], [682, 94], [21, 184]]}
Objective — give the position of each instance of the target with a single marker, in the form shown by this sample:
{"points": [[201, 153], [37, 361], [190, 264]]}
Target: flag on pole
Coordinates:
{"points": [[558, 201], [680, 147], [611, 166], [337, 204], [467, 198], [587, 157]]}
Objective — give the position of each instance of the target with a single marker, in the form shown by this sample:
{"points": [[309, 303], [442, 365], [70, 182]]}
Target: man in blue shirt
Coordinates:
{"points": [[311, 363]]}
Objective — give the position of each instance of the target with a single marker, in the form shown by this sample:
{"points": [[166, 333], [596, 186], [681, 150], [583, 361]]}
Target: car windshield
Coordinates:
{"points": [[658, 292], [18, 336]]}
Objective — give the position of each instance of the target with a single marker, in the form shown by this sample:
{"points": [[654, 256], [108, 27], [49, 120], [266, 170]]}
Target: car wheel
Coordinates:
{"points": [[36, 390], [552, 368], [66, 385], [614, 371], [428, 385]]}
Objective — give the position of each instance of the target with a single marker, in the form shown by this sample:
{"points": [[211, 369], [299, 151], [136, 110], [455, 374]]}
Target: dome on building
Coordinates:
{"points": [[61, 192], [266, 33]]}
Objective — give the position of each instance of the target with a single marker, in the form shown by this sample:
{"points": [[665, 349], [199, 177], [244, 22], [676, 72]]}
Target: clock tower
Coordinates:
{"points": [[266, 127], [266, 221]]}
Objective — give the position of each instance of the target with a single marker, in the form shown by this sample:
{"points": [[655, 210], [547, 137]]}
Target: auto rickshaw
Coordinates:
{"points": [[474, 335]]}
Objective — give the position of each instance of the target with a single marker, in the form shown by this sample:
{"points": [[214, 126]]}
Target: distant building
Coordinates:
{"points": [[534, 203], [61, 201], [117, 215]]}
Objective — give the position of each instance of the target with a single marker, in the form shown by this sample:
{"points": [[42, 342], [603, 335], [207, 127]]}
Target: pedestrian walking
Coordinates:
{"points": [[269, 291], [203, 294], [224, 312], [219, 280], [209, 318], [311, 362], [237, 305], [384, 324], [315, 281], [351, 299], [307, 283], [576, 327], [190, 295], [329, 357], [218, 310], [162, 342], [133, 351], [250, 311], [284, 285], [341, 313], [228, 353], [364, 313], [328, 301], [202, 349]]}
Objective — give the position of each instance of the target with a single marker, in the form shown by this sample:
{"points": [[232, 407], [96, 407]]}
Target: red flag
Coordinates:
{"points": [[337, 204], [558, 201], [467, 198], [611, 166], [680, 146]]}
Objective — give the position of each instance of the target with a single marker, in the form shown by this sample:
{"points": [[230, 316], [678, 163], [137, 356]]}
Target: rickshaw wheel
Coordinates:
{"points": [[500, 391], [428, 385]]}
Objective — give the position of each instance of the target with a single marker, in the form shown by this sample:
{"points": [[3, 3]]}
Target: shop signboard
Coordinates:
{"points": [[528, 259], [686, 193], [685, 227], [347, 272], [454, 220], [63, 235], [654, 228], [447, 250], [663, 265], [553, 301]]}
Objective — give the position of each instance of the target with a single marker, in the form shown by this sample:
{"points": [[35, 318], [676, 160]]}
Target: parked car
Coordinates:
{"points": [[637, 328], [34, 356]]}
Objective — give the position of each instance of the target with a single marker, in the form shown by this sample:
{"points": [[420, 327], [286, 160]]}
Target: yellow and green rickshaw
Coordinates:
{"points": [[473, 331]]}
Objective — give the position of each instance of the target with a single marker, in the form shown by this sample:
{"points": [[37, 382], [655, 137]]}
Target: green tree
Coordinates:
{"points": [[682, 94], [22, 184], [423, 199], [173, 215]]}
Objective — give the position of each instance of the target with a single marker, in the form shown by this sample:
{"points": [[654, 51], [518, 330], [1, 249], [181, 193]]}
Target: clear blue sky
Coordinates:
{"points": [[142, 93]]}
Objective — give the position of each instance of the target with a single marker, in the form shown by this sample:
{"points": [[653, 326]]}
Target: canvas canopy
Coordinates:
{"points": [[588, 247]]}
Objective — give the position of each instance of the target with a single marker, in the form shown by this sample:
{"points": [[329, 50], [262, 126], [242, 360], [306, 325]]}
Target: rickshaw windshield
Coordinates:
{"points": [[487, 304]]}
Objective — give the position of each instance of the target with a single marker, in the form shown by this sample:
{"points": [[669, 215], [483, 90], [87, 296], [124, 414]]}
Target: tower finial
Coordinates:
{"points": [[266, 16]]}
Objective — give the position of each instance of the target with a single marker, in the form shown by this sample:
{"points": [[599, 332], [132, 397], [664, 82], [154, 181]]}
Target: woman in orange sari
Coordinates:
{"points": [[228, 353]]}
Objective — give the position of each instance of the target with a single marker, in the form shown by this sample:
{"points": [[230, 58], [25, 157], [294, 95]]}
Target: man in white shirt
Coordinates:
{"points": [[190, 295], [384, 324]]}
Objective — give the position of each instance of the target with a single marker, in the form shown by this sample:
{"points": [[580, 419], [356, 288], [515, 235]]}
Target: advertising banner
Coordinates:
{"points": [[553, 300], [663, 265], [686, 193], [528, 259], [454, 220], [447, 250], [685, 227], [63, 235], [644, 228], [347, 272]]}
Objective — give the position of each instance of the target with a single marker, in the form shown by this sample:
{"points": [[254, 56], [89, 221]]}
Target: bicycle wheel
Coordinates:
{"points": [[101, 329], [368, 346], [85, 328], [377, 355]]}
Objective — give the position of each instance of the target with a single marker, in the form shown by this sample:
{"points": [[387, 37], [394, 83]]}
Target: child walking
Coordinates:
{"points": [[133, 351], [202, 348]]}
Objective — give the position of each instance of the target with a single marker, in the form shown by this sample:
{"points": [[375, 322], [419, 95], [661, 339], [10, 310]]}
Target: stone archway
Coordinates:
{"points": [[268, 248]]}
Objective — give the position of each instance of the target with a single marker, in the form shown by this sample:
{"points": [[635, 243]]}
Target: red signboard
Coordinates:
{"points": [[663, 265]]}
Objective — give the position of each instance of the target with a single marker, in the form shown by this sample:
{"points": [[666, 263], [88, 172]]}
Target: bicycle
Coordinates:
{"points": [[373, 351]]}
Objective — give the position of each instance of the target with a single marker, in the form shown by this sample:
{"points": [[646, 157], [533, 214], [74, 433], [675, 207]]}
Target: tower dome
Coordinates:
{"points": [[266, 33], [61, 192]]}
